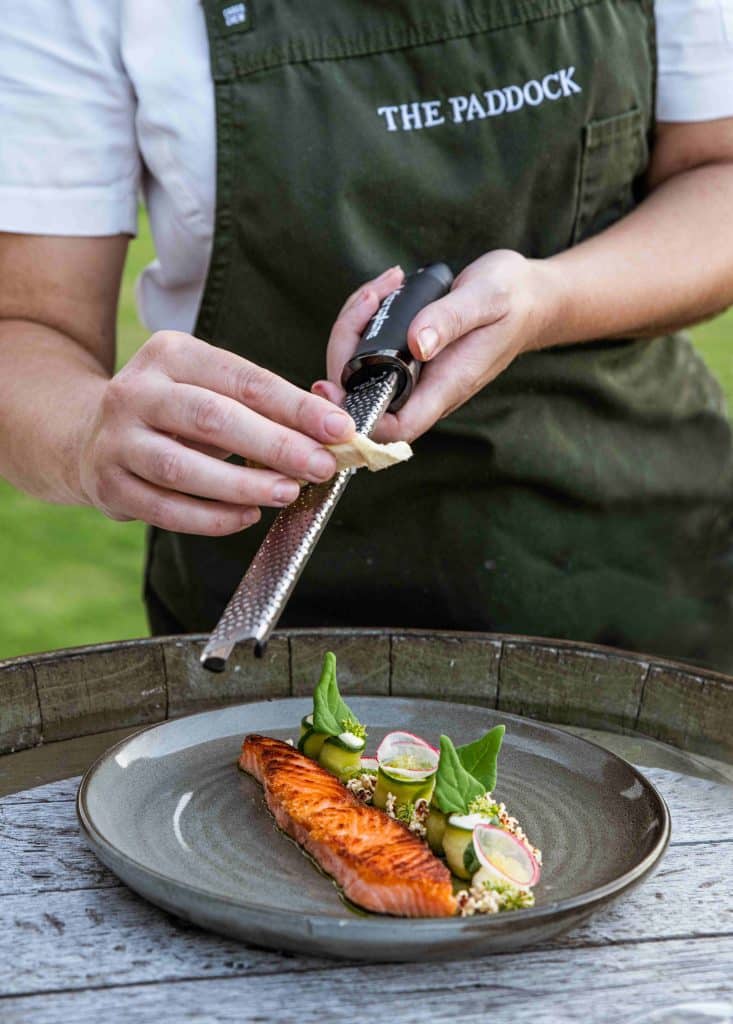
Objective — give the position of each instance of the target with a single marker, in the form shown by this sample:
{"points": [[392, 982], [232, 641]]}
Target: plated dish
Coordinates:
{"points": [[168, 811], [414, 831]]}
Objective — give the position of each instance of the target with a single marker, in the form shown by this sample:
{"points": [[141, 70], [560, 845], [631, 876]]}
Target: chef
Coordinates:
{"points": [[571, 161]]}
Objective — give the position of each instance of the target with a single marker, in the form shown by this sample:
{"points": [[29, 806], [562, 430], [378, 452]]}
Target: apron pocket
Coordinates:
{"points": [[615, 154]]}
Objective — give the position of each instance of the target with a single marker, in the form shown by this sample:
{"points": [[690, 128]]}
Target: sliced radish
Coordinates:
{"points": [[416, 759], [504, 857]]}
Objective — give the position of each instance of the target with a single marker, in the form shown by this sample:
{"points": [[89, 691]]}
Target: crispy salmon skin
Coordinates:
{"points": [[379, 864]]}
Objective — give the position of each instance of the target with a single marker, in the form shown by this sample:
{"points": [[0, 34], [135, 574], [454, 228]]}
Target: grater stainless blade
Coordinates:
{"points": [[380, 376], [260, 598]]}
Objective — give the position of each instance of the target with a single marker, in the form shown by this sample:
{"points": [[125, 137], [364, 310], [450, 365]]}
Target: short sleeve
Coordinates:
{"points": [[695, 49], [69, 162]]}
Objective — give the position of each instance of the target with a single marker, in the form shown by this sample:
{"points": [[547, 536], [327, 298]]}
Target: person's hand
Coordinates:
{"points": [[499, 306], [154, 450]]}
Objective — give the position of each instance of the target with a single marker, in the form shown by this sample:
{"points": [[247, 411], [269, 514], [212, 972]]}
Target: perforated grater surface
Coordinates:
{"points": [[380, 376], [259, 599]]}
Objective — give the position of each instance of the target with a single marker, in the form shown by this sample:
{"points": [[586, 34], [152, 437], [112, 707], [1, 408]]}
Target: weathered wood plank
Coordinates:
{"points": [[63, 791], [362, 661], [101, 937], [41, 847], [74, 939], [26, 770], [446, 667], [62, 937], [103, 689], [192, 688], [701, 810], [613, 984], [20, 714], [689, 711], [561, 684]]}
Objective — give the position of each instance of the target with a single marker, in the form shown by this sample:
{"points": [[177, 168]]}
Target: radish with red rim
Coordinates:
{"points": [[503, 858]]}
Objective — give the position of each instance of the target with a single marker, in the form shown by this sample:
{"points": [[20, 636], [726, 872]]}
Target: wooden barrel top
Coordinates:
{"points": [[83, 691]]}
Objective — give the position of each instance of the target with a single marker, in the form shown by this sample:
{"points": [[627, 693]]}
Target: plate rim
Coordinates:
{"points": [[557, 908]]}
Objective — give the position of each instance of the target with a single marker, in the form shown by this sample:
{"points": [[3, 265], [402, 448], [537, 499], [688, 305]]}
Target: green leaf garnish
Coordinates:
{"points": [[331, 714], [479, 757], [455, 788]]}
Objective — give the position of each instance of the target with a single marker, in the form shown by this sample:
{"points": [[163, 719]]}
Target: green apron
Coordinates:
{"points": [[584, 494]]}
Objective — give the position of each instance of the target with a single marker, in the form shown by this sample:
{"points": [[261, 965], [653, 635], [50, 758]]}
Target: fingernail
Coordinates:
{"points": [[386, 273], [428, 341], [321, 465], [250, 517], [338, 425], [285, 491]]}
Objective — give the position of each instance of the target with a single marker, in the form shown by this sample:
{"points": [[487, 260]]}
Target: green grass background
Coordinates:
{"points": [[69, 576]]}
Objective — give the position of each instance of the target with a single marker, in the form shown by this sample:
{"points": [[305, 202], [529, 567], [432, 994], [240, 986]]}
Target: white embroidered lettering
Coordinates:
{"points": [[458, 105], [411, 118], [431, 113], [474, 108], [495, 102], [389, 114], [533, 93], [514, 98], [566, 81], [508, 99], [556, 93]]}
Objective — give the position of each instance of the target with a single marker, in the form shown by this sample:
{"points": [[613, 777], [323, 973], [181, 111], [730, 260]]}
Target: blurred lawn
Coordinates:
{"points": [[71, 577]]}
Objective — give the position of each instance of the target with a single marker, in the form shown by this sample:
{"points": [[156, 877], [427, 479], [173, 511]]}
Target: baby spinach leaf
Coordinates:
{"points": [[479, 757], [330, 712], [455, 788]]}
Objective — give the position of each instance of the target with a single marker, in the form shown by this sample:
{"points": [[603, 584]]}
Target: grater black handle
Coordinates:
{"points": [[384, 341]]}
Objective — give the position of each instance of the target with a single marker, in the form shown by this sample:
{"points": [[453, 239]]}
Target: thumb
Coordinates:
{"points": [[471, 304]]}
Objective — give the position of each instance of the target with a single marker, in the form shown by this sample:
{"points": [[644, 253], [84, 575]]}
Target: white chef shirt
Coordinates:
{"points": [[100, 99]]}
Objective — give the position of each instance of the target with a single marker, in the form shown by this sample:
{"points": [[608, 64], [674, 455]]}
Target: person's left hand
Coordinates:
{"points": [[499, 306]]}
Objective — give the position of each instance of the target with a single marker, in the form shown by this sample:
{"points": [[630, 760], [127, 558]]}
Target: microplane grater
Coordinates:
{"points": [[380, 376]]}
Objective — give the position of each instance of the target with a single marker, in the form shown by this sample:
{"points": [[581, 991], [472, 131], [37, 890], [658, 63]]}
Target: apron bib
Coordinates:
{"points": [[587, 492]]}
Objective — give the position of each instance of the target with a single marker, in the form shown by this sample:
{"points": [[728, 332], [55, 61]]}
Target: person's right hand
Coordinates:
{"points": [[155, 449]]}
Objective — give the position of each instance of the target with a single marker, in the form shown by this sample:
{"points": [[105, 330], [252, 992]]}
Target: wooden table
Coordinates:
{"points": [[76, 946]]}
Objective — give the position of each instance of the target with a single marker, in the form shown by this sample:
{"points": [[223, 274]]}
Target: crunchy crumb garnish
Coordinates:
{"points": [[290, 742], [413, 816], [363, 786], [497, 814], [492, 898]]}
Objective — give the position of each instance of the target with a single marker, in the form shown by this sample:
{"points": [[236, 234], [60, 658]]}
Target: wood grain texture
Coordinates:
{"points": [[107, 935], [107, 688], [192, 688], [690, 711], [66, 923], [41, 848], [611, 984], [446, 667], [20, 713], [362, 662], [560, 684]]}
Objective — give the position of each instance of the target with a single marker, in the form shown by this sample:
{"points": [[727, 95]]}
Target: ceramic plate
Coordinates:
{"points": [[169, 812]]}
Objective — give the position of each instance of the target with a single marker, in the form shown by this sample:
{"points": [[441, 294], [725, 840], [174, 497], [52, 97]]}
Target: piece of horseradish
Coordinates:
{"points": [[361, 451]]}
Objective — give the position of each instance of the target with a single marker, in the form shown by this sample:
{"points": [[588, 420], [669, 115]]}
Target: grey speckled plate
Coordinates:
{"points": [[168, 811]]}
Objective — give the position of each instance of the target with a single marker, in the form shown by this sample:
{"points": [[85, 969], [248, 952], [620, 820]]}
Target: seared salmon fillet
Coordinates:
{"points": [[376, 861]]}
